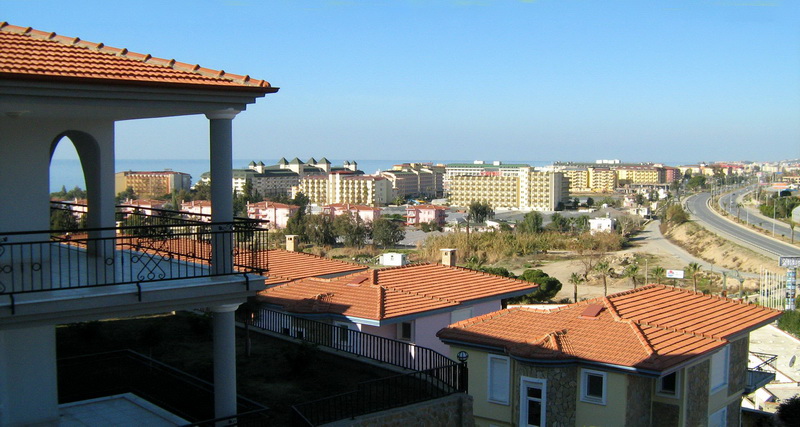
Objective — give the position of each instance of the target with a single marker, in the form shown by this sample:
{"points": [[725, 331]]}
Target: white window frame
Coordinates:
{"points": [[498, 374], [721, 416], [400, 331], [721, 357], [585, 373], [660, 390], [525, 382]]}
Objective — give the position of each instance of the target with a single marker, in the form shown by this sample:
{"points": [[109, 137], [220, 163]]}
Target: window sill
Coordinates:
{"points": [[601, 402]]}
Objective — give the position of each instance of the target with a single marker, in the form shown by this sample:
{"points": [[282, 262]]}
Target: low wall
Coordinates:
{"points": [[450, 411]]}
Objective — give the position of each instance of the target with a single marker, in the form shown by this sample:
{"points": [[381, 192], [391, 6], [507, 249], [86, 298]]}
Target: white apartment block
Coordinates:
{"points": [[345, 188]]}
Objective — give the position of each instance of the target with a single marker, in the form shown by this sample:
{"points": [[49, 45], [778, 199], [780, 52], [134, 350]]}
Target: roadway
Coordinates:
{"points": [[700, 210], [751, 215]]}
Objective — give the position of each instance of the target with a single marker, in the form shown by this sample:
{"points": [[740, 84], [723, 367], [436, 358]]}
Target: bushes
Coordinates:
{"points": [[790, 322]]}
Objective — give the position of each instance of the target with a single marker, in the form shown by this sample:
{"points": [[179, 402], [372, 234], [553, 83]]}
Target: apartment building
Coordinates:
{"points": [[513, 187], [420, 214], [277, 214], [602, 180], [578, 179], [345, 188], [423, 179], [366, 213], [152, 184], [636, 175], [278, 179]]}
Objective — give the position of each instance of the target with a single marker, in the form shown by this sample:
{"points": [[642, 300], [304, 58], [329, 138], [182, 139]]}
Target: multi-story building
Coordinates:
{"points": [[652, 356], [366, 213], [513, 187], [602, 180], [279, 179], [420, 214], [152, 184], [277, 214], [640, 175], [55, 87], [578, 179], [345, 188], [412, 179]]}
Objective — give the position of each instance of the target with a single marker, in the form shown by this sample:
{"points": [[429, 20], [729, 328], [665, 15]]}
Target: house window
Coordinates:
{"points": [[533, 402], [499, 379], [593, 386], [405, 331], [459, 315], [719, 418], [668, 385], [719, 369]]}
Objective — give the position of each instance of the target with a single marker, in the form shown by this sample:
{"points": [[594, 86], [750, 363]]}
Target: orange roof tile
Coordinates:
{"points": [[392, 292], [37, 55], [651, 328], [288, 265]]}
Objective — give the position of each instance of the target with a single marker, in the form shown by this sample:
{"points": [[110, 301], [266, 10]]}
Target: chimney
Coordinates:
{"points": [[449, 257], [291, 242]]}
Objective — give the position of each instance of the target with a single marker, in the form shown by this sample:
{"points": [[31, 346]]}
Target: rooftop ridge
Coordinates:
{"points": [[612, 309], [317, 257], [682, 331], [648, 346], [243, 80]]}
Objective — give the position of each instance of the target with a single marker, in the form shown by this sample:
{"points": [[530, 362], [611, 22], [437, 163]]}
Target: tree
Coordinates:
{"points": [[659, 273], [351, 229], [581, 223], [297, 222], [480, 211], [559, 222], [62, 219], [318, 229], [127, 194], [632, 271], [696, 182], [589, 202], [603, 268], [498, 271], [788, 412], [676, 215], [575, 279], [531, 223], [386, 232], [548, 287], [202, 191], [692, 270]]}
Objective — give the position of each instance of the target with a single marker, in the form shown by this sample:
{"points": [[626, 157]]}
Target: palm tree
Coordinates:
{"points": [[659, 273], [602, 267], [575, 279], [631, 271], [692, 270]]}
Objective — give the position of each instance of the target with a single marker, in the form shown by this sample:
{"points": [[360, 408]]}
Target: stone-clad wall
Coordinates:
{"points": [[562, 392], [450, 411], [734, 412], [737, 374], [640, 393], [665, 414], [697, 386]]}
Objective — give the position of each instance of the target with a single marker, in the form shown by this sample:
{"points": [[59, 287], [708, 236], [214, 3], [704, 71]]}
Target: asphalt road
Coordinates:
{"points": [[698, 207], [751, 215]]}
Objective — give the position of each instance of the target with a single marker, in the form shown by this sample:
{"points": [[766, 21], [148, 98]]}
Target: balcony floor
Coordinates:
{"points": [[122, 410]]}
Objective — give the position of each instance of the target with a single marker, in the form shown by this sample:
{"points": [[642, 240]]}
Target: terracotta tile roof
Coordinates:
{"points": [[268, 204], [392, 292], [651, 328], [435, 207], [37, 55], [348, 206], [288, 265]]}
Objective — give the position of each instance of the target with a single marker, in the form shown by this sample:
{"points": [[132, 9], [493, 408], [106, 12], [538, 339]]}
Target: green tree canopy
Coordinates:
{"points": [[386, 232], [548, 287], [318, 229], [351, 229], [531, 223], [480, 211]]}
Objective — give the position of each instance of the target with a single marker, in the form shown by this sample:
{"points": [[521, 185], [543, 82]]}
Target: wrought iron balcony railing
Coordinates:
{"points": [[165, 249], [762, 374]]}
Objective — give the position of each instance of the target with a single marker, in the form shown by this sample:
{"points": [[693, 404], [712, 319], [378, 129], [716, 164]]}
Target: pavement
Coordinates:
{"points": [[771, 340]]}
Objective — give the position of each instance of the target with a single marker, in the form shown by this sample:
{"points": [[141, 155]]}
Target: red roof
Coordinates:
{"points": [[392, 292], [268, 204], [348, 206], [37, 55], [287, 265], [651, 328]]}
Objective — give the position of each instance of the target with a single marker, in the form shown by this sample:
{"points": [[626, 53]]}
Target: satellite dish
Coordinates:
{"points": [[792, 360]]}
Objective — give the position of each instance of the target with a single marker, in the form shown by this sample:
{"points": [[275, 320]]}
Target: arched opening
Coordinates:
{"points": [[67, 187], [88, 154]]}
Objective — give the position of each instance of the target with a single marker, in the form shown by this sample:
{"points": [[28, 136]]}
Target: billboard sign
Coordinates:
{"points": [[789, 261], [674, 274]]}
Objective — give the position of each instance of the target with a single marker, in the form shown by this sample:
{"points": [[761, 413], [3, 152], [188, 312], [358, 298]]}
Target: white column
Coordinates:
{"points": [[221, 140], [224, 360]]}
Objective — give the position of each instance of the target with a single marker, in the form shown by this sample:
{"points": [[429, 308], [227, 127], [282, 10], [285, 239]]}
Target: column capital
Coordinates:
{"points": [[228, 114], [225, 308]]}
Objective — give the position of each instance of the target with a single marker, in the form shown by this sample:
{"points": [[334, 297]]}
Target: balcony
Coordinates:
{"points": [[149, 258], [762, 374]]}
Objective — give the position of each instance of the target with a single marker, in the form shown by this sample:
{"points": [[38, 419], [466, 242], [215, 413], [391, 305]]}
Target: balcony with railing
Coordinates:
{"points": [[147, 252], [762, 373]]}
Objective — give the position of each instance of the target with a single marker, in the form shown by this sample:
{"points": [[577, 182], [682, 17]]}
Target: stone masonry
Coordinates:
{"points": [[562, 392], [450, 411], [697, 386], [737, 376], [640, 393]]}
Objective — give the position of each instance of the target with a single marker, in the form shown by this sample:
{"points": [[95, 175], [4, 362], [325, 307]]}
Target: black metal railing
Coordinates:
{"points": [[126, 371], [767, 361], [67, 259], [762, 374], [434, 374], [383, 394], [398, 353]]}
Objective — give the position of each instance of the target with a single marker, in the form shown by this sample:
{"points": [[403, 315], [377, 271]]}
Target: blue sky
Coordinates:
{"points": [[672, 81]]}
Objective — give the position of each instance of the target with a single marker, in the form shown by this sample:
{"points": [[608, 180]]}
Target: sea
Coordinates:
{"points": [[67, 172]]}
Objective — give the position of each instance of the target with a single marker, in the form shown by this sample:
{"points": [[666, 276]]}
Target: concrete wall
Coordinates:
{"points": [[610, 414], [450, 411], [28, 379]]}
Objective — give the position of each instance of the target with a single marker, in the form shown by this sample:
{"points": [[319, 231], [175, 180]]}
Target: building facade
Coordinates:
{"points": [[277, 214], [513, 188], [152, 184], [345, 188]]}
